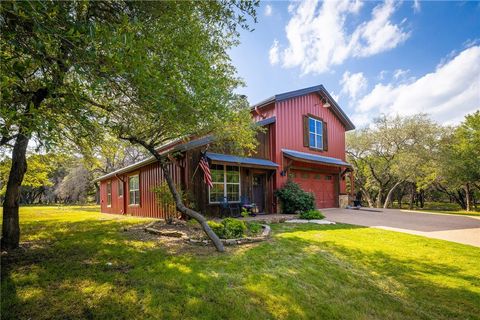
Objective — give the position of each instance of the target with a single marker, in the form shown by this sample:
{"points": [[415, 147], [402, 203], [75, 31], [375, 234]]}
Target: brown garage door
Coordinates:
{"points": [[321, 185]]}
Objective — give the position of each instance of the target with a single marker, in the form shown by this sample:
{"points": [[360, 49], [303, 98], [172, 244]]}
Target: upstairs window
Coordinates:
{"points": [[109, 194], [134, 190], [315, 133]]}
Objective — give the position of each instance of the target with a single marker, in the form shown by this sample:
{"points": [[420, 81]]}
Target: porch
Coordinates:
{"points": [[240, 182]]}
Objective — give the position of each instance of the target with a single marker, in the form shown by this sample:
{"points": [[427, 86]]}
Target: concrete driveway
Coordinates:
{"points": [[456, 228]]}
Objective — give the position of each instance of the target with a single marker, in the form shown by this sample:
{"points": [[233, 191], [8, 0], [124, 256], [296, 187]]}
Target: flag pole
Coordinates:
{"points": [[198, 164]]}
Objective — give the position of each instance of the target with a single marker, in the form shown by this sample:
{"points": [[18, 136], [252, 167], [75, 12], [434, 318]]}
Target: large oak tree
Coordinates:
{"points": [[71, 70]]}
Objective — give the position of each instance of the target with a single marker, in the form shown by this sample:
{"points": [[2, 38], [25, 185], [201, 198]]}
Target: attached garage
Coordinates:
{"points": [[317, 174], [322, 185]]}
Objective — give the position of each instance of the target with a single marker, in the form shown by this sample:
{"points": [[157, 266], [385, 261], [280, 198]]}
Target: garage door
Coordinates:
{"points": [[321, 185]]}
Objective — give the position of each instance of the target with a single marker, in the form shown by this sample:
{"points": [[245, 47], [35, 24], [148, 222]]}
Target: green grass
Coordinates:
{"points": [[303, 272], [442, 207]]}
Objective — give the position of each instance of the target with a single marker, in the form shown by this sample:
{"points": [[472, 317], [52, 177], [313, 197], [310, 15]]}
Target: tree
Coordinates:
{"points": [[459, 166], [392, 152], [75, 186], [67, 66]]}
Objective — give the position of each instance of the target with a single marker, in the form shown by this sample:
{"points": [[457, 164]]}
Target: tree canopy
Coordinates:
{"points": [[415, 154], [149, 72]]}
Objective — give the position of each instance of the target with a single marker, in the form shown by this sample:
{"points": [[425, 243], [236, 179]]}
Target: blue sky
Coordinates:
{"points": [[373, 57]]}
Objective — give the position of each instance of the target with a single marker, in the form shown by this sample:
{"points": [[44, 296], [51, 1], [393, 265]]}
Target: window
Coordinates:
{"points": [[120, 188], [134, 190], [226, 183], [109, 194], [315, 133], [328, 177]]}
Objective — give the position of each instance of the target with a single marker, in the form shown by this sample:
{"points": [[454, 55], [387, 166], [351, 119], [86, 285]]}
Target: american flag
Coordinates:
{"points": [[207, 175]]}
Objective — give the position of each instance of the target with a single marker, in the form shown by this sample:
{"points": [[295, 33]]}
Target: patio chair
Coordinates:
{"points": [[228, 209]]}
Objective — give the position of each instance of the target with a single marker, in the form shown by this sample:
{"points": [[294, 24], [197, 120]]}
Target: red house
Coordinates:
{"points": [[304, 140]]}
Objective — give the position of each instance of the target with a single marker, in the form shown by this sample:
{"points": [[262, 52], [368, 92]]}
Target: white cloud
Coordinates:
{"points": [[378, 34], [273, 55], [317, 36], [447, 94], [268, 10], [416, 6], [400, 74], [353, 84]]}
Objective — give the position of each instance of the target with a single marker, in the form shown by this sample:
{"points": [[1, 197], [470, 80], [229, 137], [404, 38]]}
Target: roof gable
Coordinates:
{"points": [[320, 89]]}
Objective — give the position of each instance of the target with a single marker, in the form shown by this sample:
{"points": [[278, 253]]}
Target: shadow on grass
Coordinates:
{"points": [[89, 269]]}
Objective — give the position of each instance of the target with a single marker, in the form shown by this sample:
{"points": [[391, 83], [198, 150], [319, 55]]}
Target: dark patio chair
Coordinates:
{"points": [[224, 208], [228, 209]]}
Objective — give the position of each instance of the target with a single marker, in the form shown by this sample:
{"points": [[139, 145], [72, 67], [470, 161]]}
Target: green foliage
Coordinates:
{"points": [[245, 212], [460, 154], [234, 228], [229, 228], [394, 151], [294, 199], [254, 228], [218, 228], [311, 215]]}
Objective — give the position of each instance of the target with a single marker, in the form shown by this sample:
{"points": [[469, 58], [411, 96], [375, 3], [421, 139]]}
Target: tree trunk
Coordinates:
{"points": [[189, 212], [422, 198], [378, 202], [389, 195], [11, 227], [97, 193], [468, 204], [369, 199], [412, 196]]}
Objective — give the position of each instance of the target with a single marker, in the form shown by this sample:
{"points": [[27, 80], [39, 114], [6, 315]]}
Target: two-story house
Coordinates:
{"points": [[303, 140]]}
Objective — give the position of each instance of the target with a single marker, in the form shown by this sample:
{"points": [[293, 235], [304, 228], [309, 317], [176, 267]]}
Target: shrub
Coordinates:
{"points": [[218, 228], [311, 214], [254, 228], [234, 228], [294, 199], [228, 228]]}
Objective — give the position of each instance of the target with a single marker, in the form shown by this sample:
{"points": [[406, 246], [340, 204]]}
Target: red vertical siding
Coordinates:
{"points": [[289, 120], [149, 177]]}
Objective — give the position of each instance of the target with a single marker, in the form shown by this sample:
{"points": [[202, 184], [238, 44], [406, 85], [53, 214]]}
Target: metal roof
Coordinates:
{"points": [[301, 92], [297, 155], [264, 122], [241, 160], [178, 148]]}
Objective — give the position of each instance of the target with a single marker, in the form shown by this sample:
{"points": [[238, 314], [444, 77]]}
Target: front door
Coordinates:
{"points": [[258, 190]]}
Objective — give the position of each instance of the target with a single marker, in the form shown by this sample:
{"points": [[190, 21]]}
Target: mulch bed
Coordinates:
{"points": [[180, 236]]}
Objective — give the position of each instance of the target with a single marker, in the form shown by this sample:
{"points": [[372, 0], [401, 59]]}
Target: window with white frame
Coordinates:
{"points": [[109, 194], [134, 190], [226, 183], [315, 134]]}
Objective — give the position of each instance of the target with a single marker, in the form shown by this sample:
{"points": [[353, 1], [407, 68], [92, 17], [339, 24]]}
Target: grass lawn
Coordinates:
{"points": [[80, 264], [442, 207]]}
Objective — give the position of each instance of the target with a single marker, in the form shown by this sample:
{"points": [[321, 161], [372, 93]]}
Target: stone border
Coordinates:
{"points": [[317, 221], [228, 242], [178, 234]]}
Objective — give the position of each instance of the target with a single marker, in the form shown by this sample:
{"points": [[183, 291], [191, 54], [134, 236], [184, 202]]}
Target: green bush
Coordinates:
{"points": [[218, 228], [234, 228], [228, 228], [294, 199], [254, 228], [311, 214]]}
